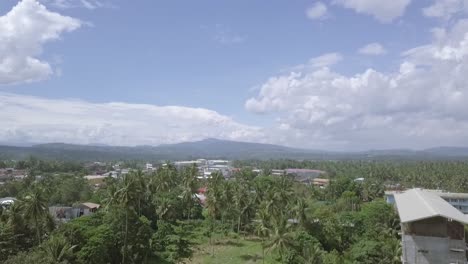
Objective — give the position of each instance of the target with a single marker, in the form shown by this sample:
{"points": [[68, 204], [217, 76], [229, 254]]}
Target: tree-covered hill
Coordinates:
{"points": [[214, 148]]}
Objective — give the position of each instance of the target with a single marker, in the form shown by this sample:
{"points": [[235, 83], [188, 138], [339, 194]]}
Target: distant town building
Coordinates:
{"points": [[432, 229], [149, 166], [277, 172], [97, 180], [319, 182], [207, 167], [304, 172], [457, 200], [305, 176], [8, 174]]}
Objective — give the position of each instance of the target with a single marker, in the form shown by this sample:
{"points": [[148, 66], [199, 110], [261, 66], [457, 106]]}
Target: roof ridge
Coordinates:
{"points": [[419, 194]]}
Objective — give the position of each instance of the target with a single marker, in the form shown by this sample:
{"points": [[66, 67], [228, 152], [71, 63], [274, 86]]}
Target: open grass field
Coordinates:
{"points": [[230, 251], [226, 249]]}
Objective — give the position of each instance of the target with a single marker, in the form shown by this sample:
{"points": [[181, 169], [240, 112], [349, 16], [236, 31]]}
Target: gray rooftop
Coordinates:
{"points": [[417, 204]]}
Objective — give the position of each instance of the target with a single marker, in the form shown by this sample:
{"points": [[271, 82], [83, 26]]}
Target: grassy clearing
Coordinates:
{"points": [[230, 251]]}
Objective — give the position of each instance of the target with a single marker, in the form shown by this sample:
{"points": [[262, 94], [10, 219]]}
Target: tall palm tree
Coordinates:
{"points": [[34, 208], [262, 227], [15, 218], [280, 238], [165, 178], [214, 193], [189, 185], [299, 210], [140, 188], [214, 200], [125, 196]]}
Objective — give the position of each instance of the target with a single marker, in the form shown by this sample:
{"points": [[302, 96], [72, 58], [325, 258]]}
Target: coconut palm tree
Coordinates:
{"points": [[280, 238], [34, 208], [300, 210], [214, 194], [262, 227], [189, 186], [125, 197]]}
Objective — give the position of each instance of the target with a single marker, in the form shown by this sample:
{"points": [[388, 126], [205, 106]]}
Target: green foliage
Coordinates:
{"points": [[34, 256], [156, 217], [58, 250], [170, 242]]}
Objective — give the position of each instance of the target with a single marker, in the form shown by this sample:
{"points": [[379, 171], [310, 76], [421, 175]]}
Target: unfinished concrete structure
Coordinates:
{"points": [[432, 229]]}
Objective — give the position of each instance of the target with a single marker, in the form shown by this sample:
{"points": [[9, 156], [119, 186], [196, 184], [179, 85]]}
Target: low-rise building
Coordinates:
{"points": [[319, 182], [67, 213], [95, 180], [432, 230]]}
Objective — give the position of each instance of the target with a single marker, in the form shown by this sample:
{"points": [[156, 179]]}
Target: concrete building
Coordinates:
{"points": [[432, 229], [67, 213]]}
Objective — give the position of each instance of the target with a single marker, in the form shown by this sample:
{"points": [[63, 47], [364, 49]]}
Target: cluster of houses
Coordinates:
{"points": [[60, 213], [8, 174], [207, 167]]}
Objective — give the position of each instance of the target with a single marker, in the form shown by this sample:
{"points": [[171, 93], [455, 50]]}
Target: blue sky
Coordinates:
{"points": [[236, 59]]}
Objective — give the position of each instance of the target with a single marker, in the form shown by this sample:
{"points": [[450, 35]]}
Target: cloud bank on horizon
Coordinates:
{"points": [[420, 103]]}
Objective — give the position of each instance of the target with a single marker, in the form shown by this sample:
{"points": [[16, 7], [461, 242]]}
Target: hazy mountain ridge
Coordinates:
{"points": [[214, 148]]}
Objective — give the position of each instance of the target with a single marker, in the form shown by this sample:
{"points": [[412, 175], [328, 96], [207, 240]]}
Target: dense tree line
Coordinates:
{"points": [[156, 218], [446, 175]]}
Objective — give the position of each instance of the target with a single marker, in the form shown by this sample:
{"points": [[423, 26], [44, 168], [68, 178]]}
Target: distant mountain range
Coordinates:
{"points": [[214, 148]]}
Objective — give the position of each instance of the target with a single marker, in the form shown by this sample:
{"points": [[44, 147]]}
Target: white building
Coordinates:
{"points": [[149, 166]]}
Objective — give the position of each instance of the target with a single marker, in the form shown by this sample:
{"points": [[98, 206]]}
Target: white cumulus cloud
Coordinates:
{"points": [[373, 49], [224, 35], [317, 11], [88, 4], [383, 10], [325, 60], [421, 104], [446, 8], [23, 32], [35, 120]]}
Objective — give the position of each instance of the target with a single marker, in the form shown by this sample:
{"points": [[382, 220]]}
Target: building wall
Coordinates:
{"points": [[432, 250], [433, 227]]}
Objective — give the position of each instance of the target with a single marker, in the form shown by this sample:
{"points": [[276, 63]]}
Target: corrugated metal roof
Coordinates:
{"points": [[417, 204], [91, 205]]}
